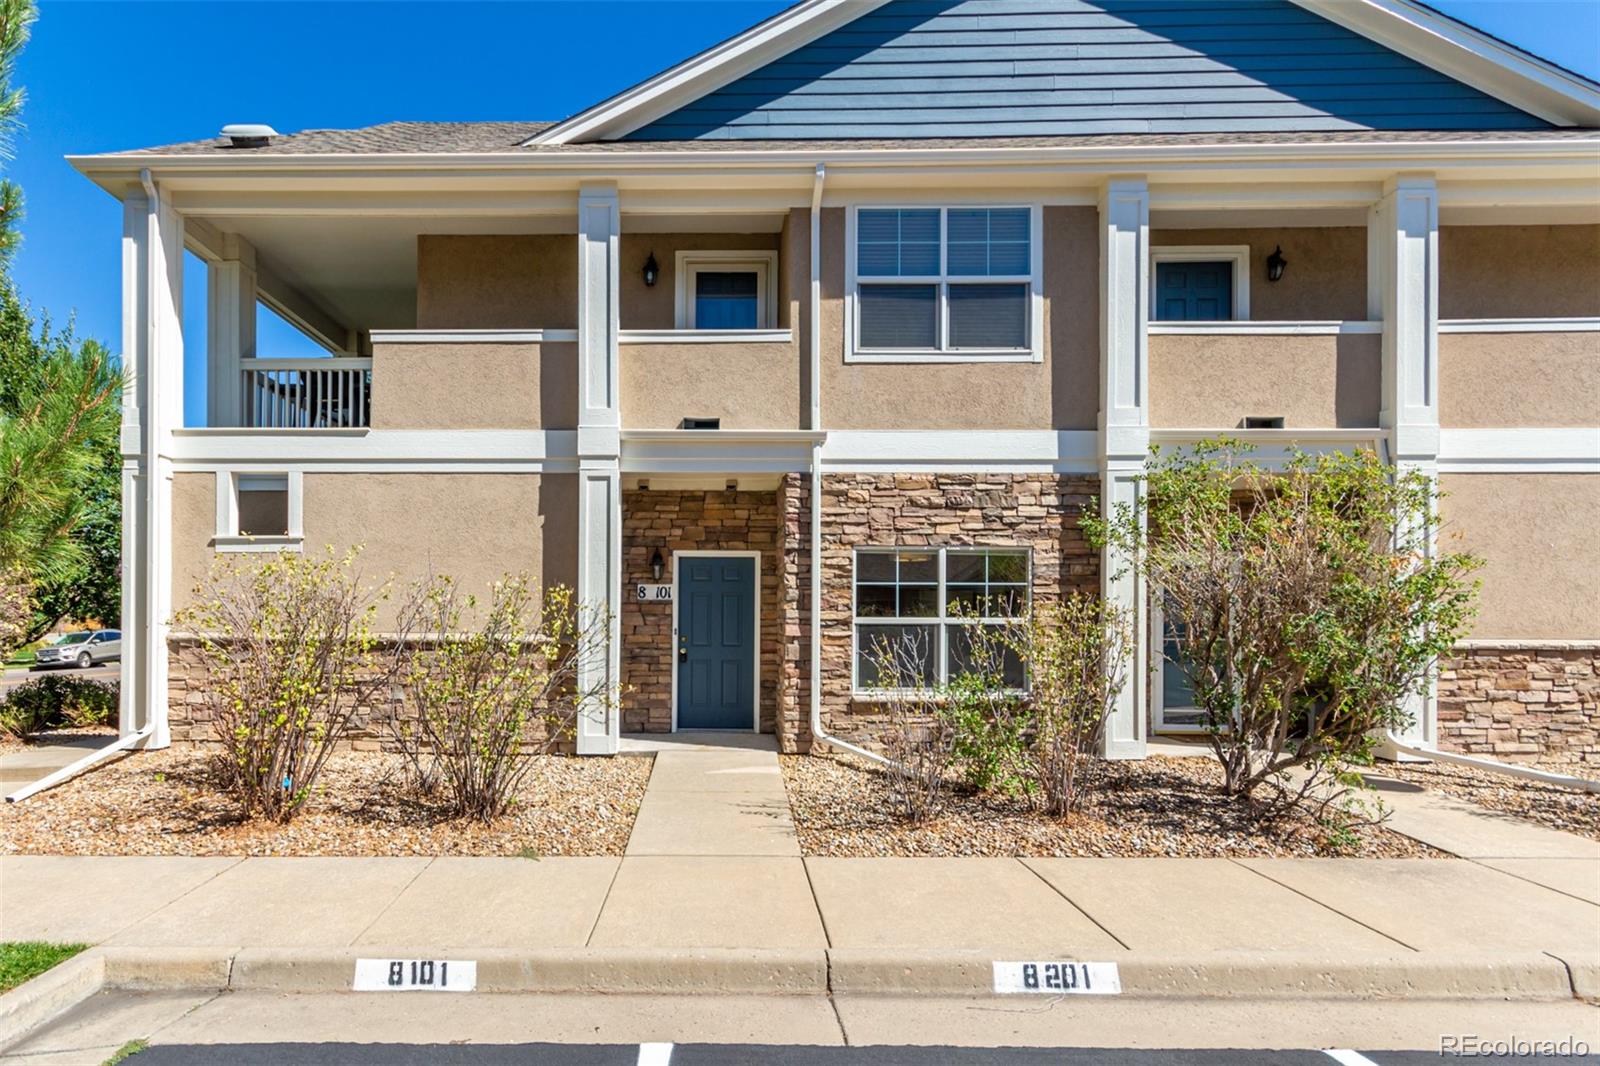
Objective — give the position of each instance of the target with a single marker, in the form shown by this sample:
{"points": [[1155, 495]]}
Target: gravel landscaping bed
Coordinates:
{"points": [[1547, 805], [1160, 806], [163, 803]]}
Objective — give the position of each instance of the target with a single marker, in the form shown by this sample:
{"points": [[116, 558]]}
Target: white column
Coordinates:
{"points": [[152, 353], [599, 467], [231, 328], [1404, 235], [1125, 429]]}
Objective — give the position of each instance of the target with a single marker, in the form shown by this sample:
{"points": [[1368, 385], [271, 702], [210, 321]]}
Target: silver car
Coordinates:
{"points": [[82, 650]]}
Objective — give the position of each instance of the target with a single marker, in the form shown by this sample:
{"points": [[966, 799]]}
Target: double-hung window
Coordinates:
{"points": [[926, 602], [945, 283]]}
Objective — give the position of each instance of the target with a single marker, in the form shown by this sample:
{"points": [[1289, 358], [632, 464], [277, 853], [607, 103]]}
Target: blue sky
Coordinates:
{"points": [[131, 73]]}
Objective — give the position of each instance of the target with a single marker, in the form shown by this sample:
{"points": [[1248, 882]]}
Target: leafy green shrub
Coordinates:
{"points": [[986, 711], [292, 659], [489, 686], [58, 701], [1306, 602], [1077, 658]]}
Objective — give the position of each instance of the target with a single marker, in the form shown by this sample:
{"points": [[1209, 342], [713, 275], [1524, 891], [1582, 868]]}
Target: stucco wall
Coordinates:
{"points": [[474, 386], [1519, 379], [1536, 534], [1312, 381], [521, 281], [748, 386], [1060, 392], [474, 527], [1519, 271], [1326, 277], [655, 306]]}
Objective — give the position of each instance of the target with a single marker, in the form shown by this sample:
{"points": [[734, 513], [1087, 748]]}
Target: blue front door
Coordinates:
{"points": [[1194, 292], [716, 642]]}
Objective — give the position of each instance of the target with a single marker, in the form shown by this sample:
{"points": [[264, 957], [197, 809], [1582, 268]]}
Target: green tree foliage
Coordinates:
{"points": [[16, 22], [1305, 602]]}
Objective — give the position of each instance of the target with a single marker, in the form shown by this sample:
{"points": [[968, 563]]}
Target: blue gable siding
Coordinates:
{"points": [[975, 68]]}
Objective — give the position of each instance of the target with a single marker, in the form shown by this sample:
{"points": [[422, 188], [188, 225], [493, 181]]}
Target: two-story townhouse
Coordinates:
{"points": [[842, 322]]}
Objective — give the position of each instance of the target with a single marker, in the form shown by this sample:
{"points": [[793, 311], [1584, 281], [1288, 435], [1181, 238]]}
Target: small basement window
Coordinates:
{"points": [[258, 511]]}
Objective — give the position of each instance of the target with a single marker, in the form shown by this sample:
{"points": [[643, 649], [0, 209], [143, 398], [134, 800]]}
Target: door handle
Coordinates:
{"points": [[683, 651]]}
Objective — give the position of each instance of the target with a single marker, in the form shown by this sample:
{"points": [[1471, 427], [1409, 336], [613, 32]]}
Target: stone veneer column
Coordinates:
{"points": [[1125, 429], [1404, 228], [599, 459]]}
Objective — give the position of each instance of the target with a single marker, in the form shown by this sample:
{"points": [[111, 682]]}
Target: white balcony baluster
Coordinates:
{"points": [[306, 393]]}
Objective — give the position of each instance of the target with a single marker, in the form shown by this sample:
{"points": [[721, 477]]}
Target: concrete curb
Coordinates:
{"points": [[58, 989], [1226, 975], [801, 972]]}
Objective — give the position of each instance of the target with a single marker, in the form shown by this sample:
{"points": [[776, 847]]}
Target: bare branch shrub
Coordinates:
{"points": [[489, 686], [1077, 657], [918, 740], [291, 660]]}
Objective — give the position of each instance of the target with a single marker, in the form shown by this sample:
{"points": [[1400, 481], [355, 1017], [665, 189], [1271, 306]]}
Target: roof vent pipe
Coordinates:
{"points": [[248, 135]]}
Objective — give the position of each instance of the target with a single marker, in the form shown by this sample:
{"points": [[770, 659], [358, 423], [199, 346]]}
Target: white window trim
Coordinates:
{"points": [[227, 537], [1034, 353], [1237, 254], [939, 622], [686, 264]]}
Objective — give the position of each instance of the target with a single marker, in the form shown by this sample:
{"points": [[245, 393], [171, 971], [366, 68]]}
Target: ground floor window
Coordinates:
{"points": [[1176, 712], [928, 602]]}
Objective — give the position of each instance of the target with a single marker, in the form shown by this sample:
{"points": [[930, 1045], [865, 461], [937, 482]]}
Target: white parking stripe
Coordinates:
{"points": [[655, 1054], [1339, 1055]]}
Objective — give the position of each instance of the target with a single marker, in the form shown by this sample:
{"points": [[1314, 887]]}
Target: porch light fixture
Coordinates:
{"points": [[1275, 264], [658, 565], [652, 270]]}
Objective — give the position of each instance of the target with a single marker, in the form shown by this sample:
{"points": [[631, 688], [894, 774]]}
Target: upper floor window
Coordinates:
{"points": [[1200, 283], [726, 290], [945, 283]]}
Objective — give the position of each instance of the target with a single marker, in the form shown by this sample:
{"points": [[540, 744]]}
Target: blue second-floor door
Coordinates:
{"points": [[716, 642], [1194, 292]]}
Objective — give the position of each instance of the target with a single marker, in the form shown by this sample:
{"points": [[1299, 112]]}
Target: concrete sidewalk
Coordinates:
{"points": [[713, 878]]}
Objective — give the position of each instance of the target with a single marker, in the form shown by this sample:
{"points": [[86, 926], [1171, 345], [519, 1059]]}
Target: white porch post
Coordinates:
{"points": [[231, 328], [599, 450], [1125, 430], [1404, 234], [152, 406]]}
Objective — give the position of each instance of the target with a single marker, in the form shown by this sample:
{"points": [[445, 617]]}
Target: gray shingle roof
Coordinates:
{"points": [[402, 138]]}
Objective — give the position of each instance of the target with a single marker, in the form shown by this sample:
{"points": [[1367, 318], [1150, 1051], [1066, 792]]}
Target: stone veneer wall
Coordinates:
{"points": [[1522, 704], [1038, 511], [682, 521]]}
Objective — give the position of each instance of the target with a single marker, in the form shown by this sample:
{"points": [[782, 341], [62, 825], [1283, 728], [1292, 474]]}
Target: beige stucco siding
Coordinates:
{"points": [[747, 386], [474, 527], [644, 306], [1519, 379], [1536, 535], [474, 386], [1214, 382], [521, 281], [1519, 271], [1326, 278], [1061, 391]]}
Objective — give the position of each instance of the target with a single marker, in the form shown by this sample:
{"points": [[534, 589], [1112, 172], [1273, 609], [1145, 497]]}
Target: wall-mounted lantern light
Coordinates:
{"points": [[658, 565], [1275, 264], [652, 270]]}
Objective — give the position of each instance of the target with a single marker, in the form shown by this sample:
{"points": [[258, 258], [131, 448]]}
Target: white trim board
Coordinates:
{"points": [[755, 698], [474, 336], [1573, 450], [705, 336], [371, 446], [961, 451], [1519, 325], [1267, 329]]}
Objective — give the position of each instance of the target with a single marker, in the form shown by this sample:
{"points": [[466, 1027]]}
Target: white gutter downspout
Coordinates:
{"points": [[818, 734], [1423, 751], [73, 769]]}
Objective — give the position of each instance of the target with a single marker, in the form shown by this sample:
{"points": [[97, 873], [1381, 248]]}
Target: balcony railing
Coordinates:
{"points": [[306, 393]]}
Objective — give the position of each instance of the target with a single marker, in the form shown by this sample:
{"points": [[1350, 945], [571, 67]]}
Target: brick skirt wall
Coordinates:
{"points": [[1521, 705]]}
